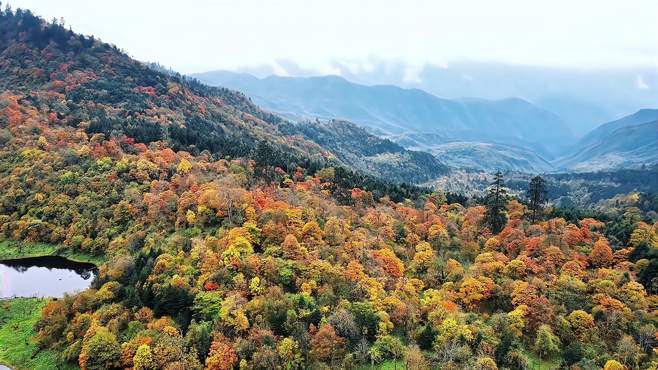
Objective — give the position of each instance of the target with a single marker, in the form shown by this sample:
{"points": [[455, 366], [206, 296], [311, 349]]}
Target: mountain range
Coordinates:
{"points": [[467, 133], [391, 110], [582, 97]]}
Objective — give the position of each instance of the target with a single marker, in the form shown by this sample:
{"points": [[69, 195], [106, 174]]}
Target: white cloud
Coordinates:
{"points": [[327, 69], [412, 74], [640, 83], [278, 69]]}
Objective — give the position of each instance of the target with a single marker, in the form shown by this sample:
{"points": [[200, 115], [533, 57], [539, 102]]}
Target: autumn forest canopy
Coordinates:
{"points": [[234, 239]]}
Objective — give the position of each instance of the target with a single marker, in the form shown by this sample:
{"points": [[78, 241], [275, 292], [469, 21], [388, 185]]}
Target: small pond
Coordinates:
{"points": [[49, 276]]}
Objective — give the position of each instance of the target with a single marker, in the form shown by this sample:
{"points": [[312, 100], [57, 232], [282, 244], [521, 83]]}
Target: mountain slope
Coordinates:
{"points": [[490, 157], [604, 130], [393, 110], [87, 84], [631, 141], [371, 154], [92, 85]]}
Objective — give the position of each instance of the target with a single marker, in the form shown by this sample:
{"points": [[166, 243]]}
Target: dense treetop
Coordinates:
{"points": [[232, 245]]}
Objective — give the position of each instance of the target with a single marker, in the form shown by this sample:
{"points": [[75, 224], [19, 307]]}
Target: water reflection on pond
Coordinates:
{"points": [[49, 276]]}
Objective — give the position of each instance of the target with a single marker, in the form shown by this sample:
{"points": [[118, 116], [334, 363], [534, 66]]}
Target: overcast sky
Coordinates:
{"points": [[201, 35]]}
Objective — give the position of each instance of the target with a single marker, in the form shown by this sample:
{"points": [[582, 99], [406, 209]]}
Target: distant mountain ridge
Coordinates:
{"points": [[631, 141], [582, 97], [391, 110], [466, 133], [641, 116]]}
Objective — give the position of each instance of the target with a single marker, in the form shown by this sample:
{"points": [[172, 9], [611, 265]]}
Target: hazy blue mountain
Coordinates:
{"points": [[631, 141], [581, 115], [391, 110], [602, 132], [582, 97], [490, 157], [470, 155]]}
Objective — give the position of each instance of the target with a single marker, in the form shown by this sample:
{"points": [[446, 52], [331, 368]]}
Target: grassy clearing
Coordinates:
{"points": [[536, 363], [386, 365], [10, 249], [17, 348]]}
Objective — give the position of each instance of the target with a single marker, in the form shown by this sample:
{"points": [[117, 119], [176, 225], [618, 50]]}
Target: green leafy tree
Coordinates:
{"points": [[100, 350], [547, 344], [143, 359], [288, 350], [199, 338], [388, 348]]}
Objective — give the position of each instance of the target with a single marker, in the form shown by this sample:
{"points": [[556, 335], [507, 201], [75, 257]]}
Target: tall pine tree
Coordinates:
{"points": [[495, 216], [536, 196]]}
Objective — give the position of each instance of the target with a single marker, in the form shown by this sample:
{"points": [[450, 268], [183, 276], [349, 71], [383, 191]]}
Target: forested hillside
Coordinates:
{"points": [[81, 82], [369, 153], [234, 243]]}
